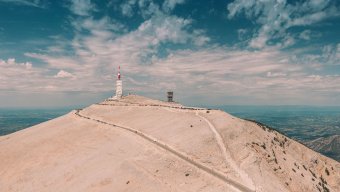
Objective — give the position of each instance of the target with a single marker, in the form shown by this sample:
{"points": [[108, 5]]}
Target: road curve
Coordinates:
{"points": [[227, 156], [209, 170]]}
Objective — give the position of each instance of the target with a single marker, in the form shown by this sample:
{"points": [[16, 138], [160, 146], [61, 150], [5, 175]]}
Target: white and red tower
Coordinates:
{"points": [[119, 85]]}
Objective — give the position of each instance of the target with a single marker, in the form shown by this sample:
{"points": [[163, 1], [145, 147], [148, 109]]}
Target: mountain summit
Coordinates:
{"points": [[139, 144]]}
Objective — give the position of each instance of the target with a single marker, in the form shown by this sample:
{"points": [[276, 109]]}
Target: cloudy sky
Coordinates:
{"points": [[210, 52]]}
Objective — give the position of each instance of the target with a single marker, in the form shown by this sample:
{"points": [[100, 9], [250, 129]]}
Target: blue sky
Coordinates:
{"points": [[210, 52]]}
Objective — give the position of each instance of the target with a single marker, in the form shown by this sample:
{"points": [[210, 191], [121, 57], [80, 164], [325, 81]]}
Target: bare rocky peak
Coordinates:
{"points": [[140, 144]]}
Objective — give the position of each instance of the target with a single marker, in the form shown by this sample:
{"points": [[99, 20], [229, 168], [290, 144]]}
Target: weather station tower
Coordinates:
{"points": [[119, 85]]}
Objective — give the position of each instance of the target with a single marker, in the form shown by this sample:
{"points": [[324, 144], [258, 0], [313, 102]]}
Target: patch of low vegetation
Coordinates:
{"points": [[274, 157], [265, 127], [312, 173], [325, 189], [323, 180], [318, 188], [304, 167], [327, 172], [323, 184], [298, 167]]}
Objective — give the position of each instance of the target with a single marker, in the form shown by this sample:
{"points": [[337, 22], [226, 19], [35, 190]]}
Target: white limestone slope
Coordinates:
{"points": [[139, 144]]}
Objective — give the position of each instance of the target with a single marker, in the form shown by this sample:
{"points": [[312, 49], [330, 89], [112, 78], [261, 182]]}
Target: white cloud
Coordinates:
{"points": [[19, 75], [127, 8], [263, 75], [266, 76], [147, 8], [278, 74], [331, 54], [169, 5], [33, 3], [11, 63], [107, 44], [306, 34], [276, 16], [241, 33], [259, 42], [55, 61], [82, 7], [63, 74], [133, 46]]}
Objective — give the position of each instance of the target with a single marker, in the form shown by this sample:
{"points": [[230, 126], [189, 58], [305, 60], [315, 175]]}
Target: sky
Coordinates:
{"points": [[209, 52]]}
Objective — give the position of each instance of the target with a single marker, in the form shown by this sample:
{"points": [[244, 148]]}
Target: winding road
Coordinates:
{"points": [[185, 157], [227, 156]]}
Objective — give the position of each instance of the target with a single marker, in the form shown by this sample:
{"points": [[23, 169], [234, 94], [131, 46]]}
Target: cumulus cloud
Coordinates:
{"points": [[63, 74], [18, 75], [10, 63], [150, 63], [101, 44], [275, 17], [213, 68], [266, 76]]}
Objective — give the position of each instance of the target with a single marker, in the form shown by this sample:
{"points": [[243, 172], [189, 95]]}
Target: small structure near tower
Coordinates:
{"points": [[119, 85], [170, 96]]}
